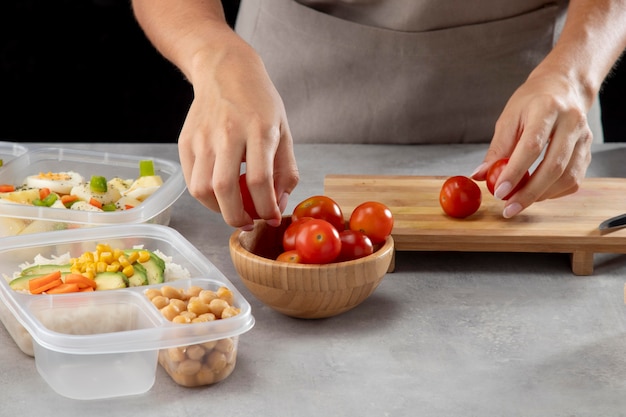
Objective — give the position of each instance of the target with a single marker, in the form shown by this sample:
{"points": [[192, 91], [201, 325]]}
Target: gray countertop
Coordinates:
{"points": [[445, 334]]}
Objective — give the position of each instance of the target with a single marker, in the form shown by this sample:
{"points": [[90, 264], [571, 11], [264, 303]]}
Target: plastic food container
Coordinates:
{"points": [[21, 219], [107, 343], [10, 150]]}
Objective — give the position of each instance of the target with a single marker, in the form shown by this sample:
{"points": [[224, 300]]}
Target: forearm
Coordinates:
{"points": [[593, 38], [188, 33]]}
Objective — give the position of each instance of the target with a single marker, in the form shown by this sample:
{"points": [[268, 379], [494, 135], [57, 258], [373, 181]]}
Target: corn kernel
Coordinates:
{"points": [[144, 256], [132, 257], [101, 266], [106, 257], [128, 271], [123, 260]]}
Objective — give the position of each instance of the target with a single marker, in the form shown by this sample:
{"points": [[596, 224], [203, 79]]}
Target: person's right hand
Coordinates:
{"points": [[237, 116]]}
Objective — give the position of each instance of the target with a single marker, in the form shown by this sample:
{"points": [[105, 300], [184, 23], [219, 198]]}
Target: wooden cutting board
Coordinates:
{"points": [[565, 225]]}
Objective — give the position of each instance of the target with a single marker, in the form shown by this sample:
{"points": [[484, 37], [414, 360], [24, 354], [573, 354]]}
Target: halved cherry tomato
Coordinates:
{"points": [[248, 204], [494, 172], [318, 242], [290, 256], [460, 196], [354, 245], [289, 236], [320, 207], [374, 219]]}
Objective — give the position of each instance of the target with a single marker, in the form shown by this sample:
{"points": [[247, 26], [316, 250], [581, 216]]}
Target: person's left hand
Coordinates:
{"points": [[546, 113]]}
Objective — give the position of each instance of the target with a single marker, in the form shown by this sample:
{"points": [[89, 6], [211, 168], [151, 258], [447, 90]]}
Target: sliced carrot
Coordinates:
{"points": [[47, 287], [68, 198], [6, 188], [86, 289], [95, 203], [128, 206], [63, 289], [80, 280], [35, 284], [43, 193]]}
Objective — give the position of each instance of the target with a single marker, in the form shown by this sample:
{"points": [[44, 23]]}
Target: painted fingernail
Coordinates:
{"points": [[247, 227], [478, 169], [273, 222], [511, 210], [503, 190], [282, 203]]}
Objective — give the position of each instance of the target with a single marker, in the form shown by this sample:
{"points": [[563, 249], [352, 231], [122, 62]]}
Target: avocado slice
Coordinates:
{"points": [[155, 267], [46, 269], [111, 281], [139, 277]]}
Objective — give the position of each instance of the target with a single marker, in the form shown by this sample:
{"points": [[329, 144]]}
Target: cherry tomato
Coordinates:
{"points": [[290, 256], [318, 242], [460, 196], [374, 219], [494, 172], [320, 207], [354, 245], [248, 204], [289, 236]]}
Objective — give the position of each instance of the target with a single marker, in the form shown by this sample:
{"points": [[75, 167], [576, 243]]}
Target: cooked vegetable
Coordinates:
{"points": [[146, 168], [98, 184], [44, 283]]}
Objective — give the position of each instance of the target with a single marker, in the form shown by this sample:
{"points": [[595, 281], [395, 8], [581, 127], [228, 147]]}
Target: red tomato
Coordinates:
{"points": [[460, 196], [494, 172], [290, 256], [320, 207], [318, 242], [248, 204], [374, 219], [354, 245], [289, 236]]}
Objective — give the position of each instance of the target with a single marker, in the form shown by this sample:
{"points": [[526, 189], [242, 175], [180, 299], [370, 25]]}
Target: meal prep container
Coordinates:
{"points": [[21, 219], [10, 150], [107, 343]]}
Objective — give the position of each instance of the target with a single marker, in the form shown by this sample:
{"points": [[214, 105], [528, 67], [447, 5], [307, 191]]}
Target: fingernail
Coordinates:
{"points": [[503, 190], [478, 169], [511, 210], [282, 203], [274, 222], [247, 228]]}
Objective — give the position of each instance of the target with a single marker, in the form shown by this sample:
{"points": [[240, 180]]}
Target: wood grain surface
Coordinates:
{"points": [[565, 225]]}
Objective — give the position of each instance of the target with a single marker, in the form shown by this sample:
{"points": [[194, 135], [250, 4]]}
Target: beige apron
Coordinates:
{"points": [[352, 79]]}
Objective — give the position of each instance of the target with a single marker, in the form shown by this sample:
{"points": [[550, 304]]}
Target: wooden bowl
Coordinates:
{"points": [[304, 290]]}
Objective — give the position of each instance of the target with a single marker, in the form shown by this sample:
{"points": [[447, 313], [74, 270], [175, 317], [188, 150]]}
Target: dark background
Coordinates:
{"points": [[82, 70]]}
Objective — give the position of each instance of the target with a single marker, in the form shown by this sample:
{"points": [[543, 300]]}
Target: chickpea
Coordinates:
{"points": [[178, 304], [189, 367], [227, 370], [209, 345], [159, 301], [205, 376], [194, 290], [225, 345], [176, 354], [216, 360], [230, 311], [170, 292], [152, 292], [198, 307], [169, 312], [180, 319], [207, 296], [217, 306], [195, 352], [226, 295]]}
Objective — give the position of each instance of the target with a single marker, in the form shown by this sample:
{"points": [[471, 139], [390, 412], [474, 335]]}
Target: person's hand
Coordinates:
{"points": [[237, 116], [547, 113]]}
